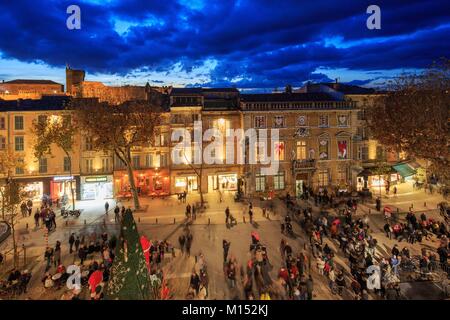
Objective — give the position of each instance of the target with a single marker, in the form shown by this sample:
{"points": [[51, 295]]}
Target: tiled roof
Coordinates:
{"points": [[350, 89], [220, 90], [31, 81], [46, 103], [186, 91]]}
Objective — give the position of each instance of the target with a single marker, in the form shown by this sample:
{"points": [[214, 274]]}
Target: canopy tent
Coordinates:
{"points": [[404, 170], [371, 171]]}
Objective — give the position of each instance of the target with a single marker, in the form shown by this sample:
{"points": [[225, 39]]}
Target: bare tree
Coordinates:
{"points": [[413, 116], [119, 128]]}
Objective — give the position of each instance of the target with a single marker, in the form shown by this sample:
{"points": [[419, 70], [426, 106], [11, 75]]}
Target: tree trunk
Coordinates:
{"points": [[202, 201], [71, 180], [3, 205], [13, 233], [131, 179]]}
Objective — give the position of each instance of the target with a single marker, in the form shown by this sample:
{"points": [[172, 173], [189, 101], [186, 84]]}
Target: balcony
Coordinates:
{"points": [[303, 165]]}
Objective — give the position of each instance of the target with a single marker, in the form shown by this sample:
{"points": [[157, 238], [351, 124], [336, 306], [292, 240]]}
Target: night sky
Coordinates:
{"points": [[257, 45]]}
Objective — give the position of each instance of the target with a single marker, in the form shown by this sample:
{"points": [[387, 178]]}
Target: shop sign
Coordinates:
{"points": [[96, 179], [63, 178]]}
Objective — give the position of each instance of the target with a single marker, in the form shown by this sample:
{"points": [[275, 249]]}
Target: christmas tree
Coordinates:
{"points": [[129, 278]]}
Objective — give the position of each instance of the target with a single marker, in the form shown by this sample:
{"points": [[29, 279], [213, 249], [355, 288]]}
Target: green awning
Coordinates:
{"points": [[404, 170]]}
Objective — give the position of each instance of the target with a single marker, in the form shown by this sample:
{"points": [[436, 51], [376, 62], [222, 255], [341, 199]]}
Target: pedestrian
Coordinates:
{"points": [[378, 204], [24, 209], [37, 216], [71, 242], [82, 254], [250, 214], [182, 241], [309, 287], [30, 207], [395, 191], [226, 247], [57, 254], [48, 256], [188, 244], [227, 215], [116, 214], [106, 207], [77, 243]]}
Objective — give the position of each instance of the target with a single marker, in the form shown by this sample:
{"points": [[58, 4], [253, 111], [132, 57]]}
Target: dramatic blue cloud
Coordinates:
{"points": [[243, 43]]}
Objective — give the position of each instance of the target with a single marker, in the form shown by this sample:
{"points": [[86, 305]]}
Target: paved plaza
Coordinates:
{"points": [[163, 219]]}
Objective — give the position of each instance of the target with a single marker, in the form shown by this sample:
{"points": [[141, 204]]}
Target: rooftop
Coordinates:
{"points": [[31, 81], [286, 97], [46, 103]]}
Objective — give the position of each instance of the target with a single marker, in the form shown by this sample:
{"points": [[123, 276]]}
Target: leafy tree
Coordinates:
{"points": [[129, 274], [413, 116], [119, 128], [11, 200], [8, 162], [55, 130]]}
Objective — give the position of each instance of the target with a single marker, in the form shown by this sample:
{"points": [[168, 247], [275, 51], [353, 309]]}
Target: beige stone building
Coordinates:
{"points": [[214, 108], [29, 89], [48, 175], [315, 147]]}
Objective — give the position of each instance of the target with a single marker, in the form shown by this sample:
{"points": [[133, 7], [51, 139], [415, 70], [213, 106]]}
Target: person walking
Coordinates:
{"points": [[48, 256], [182, 241], [188, 244], [309, 287], [116, 214], [226, 247], [57, 254], [77, 243], [37, 217], [82, 254], [106, 207], [227, 216], [71, 242], [250, 214]]}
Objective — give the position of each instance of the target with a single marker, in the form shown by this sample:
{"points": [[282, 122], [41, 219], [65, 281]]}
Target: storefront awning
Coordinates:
{"points": [[404, 170]]}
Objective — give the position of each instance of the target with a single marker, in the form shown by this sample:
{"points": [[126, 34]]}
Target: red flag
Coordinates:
{"points": [[145, 243]]}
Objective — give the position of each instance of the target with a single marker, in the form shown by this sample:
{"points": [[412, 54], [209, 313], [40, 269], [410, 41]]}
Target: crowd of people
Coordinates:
{"points": [[98, 250]]}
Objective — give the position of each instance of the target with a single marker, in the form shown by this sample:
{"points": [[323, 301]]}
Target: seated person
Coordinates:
{"points": [[14, 276]]}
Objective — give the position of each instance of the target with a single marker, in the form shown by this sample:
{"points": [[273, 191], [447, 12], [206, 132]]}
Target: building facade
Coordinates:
{"points": [[315, 147]]}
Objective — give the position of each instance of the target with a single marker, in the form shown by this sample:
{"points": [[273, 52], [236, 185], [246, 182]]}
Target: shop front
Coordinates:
{"points": [[148, 183], [97, 187], [188, 183], [60, 187], [223, 182], [34, 189]]}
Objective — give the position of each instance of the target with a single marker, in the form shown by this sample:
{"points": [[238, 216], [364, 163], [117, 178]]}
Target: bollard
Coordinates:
{"points": [[424, 204], [139, 219], [209, 221], [173, 220], [156, 220]]}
